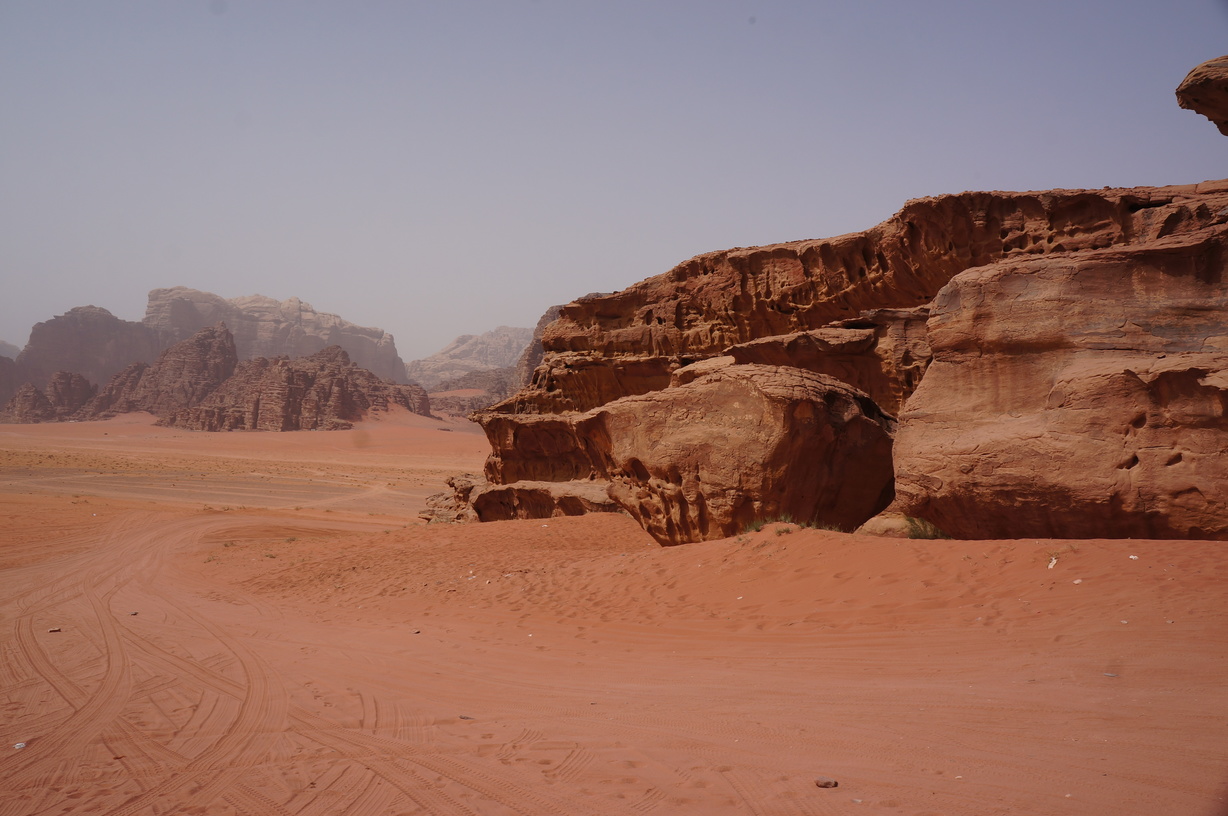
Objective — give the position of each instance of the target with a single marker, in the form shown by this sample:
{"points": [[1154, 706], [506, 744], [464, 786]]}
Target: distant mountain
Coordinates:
{"points": [[9, 350], [199, 383], [90, 341], [498, 348], [264, 327]]}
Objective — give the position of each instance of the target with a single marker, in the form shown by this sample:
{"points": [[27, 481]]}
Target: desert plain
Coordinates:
{"points": [[259, 623]]}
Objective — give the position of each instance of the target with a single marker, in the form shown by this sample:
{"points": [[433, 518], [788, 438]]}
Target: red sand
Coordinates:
{"points": [[301, 644]]}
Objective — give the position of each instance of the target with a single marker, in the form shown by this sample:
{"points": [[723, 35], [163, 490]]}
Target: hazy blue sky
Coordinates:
{"points": [[440, 168]]}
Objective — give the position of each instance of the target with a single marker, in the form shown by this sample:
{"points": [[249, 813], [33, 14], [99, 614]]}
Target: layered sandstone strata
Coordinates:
{"points": [[1080, 396], [857, 308], [712, 453], [64, 396], [322, 392], [606, 347]]}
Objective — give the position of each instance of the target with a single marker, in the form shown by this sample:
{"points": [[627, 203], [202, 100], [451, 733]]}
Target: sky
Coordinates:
{"points": [[442, 168]]}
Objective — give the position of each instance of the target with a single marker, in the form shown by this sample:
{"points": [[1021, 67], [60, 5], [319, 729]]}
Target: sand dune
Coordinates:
{"points": [[258, 624]]}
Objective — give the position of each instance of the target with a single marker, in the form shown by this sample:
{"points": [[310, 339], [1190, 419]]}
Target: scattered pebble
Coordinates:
{"points": [[134, 613], [1109, 674], [1052, 561], [824, 782], [1125, 621], [54, 629], [19, 745], [1132, 558], [1078, 580], [465, 717]]}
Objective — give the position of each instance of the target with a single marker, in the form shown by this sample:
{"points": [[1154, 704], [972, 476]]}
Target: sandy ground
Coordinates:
{"points": [[258, 624]]}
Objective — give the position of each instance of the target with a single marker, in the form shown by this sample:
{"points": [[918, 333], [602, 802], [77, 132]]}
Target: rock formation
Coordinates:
{"points": [[533, 353], [1205, 91], [715, 451], [471, 498], [1080, 396], [322, 392], [182, 377], [94, 343], [28, 405], [12, 377], [857, 309], [64, 396], [471, 392], [603, 348], [884, 353], [495, 349], [89, 341], [264, 327]]}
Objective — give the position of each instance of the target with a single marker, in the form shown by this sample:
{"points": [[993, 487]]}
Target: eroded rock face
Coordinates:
{"points": [[322, 392], [532, 356], [884, 352], [89, 341], [605, 347], [264, 327], [1078, 396], [64, 396], [28, 405], [182, 377], [1205, 91], [68, 392], [704, 458], [541, 500]]}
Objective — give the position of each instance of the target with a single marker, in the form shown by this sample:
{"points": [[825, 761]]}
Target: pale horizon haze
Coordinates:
{"points": [[443, 168]]}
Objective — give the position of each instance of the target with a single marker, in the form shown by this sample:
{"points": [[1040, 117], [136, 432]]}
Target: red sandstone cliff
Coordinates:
{"points": [[857, 308]]}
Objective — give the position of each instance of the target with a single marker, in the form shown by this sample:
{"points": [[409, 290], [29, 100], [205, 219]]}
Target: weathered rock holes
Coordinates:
{"points": [[637, 469]]}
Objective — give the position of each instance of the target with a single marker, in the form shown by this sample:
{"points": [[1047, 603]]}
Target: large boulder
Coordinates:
{"points": [[708, 456], [1078, 396]]}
